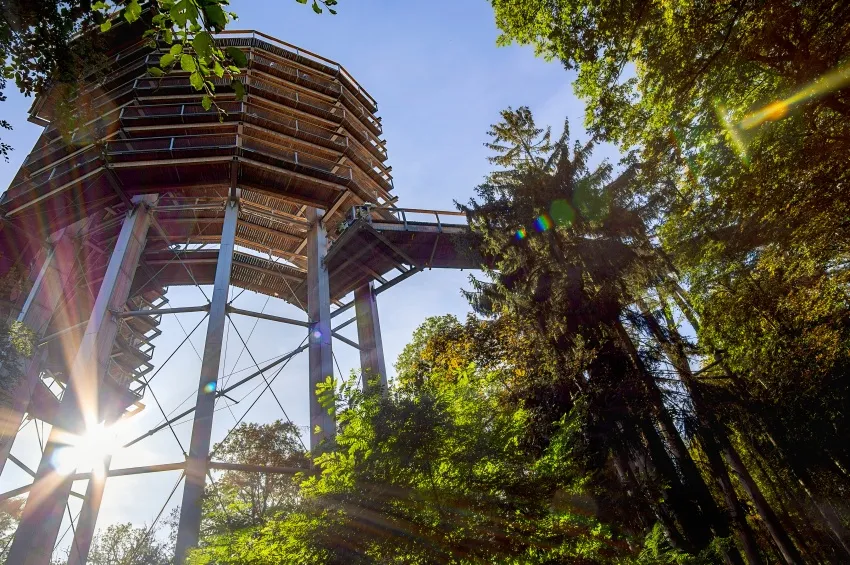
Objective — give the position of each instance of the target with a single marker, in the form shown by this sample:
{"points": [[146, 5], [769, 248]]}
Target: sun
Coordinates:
{"points": [[87, 452]]}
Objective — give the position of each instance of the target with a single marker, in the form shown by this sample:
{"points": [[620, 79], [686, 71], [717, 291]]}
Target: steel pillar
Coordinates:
{"points": [[45, 507], [322, 425], [47, 291], [197, 465], [372, 362], [84, 531]]}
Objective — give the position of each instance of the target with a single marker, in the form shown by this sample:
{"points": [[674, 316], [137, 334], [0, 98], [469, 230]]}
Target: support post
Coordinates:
{"points": [[369, 336], [84, 531], [197, 464], [47, 291], [322, 425], [45, 507]]}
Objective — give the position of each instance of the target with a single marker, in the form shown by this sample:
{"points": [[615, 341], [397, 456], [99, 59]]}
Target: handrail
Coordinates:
{"points": [[420, 211], [401, 214], [305, 53]]}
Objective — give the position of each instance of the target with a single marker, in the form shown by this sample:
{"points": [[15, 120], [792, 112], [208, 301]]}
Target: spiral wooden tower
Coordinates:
{"points": [[284, 192]]}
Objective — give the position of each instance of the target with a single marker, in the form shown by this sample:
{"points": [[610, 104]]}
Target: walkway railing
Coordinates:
{"points": [[402, 215]]}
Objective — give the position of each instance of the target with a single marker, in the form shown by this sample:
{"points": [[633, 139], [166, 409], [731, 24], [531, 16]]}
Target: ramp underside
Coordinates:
{"points": [[364, 252]]}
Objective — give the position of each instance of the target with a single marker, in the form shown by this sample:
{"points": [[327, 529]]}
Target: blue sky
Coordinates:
{"points": [[440, 81]]}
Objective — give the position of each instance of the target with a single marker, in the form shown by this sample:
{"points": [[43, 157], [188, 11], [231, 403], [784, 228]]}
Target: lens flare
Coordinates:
{"points": [[562, 213], [543, 223], [521, 234], [819, 87], [733, 132], [210, 387]]}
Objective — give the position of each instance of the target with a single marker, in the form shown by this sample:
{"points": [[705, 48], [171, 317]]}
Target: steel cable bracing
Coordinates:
{"points": [[220, 501], [188, 239], [244, 347], [148, 381], [144, 538], [73, 529], [174, 433], [233, 403], [223, 367], [285, 358], [195, 349], [167, 263], [268, 384], [65, 533], [264, 378], [193, 393], [173, 353]]}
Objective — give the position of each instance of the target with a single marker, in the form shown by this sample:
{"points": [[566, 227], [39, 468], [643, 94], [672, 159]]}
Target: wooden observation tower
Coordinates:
{"points": [[286, 193]]}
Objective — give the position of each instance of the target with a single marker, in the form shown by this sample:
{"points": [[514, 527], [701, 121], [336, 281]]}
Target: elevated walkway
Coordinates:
{"points": [[382, 245]]}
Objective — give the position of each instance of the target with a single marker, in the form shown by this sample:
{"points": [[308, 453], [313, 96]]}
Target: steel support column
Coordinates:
{"points": [[84, 531], [197, 465], [369, 336], [45, 506], [322, 425]]}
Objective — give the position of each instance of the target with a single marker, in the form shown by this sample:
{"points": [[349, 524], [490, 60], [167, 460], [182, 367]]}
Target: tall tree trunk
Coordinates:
{"points": [[663, 482], [789, 493], [827, 512], [771, 521], [694, 526], [707, 430], [673, 346], [693, 478]]}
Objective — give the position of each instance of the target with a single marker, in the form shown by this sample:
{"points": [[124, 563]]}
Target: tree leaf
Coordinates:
{"points": [[206, 102], [203, 45], [238, 88], [316, 7], [155, 71], [196, 80], [166, 60], [176, 49], [187, 63], [215, 16], [106, 26], [238, 56], [132, 11]]}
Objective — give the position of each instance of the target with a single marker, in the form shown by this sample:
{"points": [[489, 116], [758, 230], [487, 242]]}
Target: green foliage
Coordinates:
{"points": [[125, 544], [243, 500], [10, 513], [734, 116], [433, 473], [657, 551], [17, 342]]}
